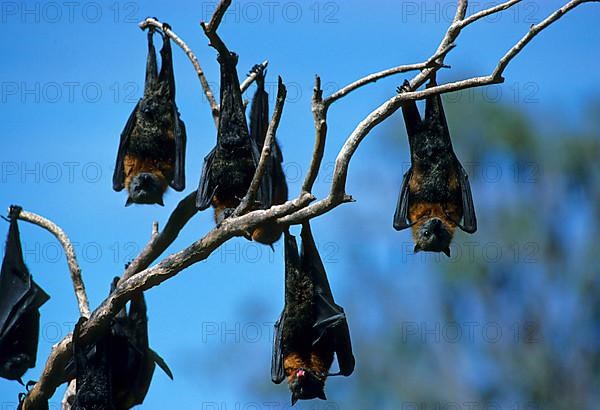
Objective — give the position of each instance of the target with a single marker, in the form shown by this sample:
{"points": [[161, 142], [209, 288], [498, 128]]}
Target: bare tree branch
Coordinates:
{"points": [[184, 211], [248, 200], [320, 107], [53, 373], [319, 110], [217, 16], [484, 13], [337, 193], [386, 73], [534, 31], [210, 29], [291, 212], [65, 242], [214, 107]]}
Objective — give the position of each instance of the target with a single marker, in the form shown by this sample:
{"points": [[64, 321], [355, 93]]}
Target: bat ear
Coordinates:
{"points": [[128, 202], [417, 248], [447, 251]]}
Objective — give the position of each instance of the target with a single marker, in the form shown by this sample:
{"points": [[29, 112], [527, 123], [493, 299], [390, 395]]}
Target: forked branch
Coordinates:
{"points": [[291, 212], [65, 242]]}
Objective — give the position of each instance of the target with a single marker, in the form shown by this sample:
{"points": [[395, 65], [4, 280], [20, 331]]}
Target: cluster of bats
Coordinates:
{"points": [[115, 371]]}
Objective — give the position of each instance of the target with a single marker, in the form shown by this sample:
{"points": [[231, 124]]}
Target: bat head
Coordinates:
{"points": [[14, 366], [433, 235], [146, 188], [306, 384]]}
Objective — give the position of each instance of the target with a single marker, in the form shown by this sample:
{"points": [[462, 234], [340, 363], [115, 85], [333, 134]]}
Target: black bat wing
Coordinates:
{"points": [[139, 321], [167, 77], [14, 278], [469, 224], [330, 318], [156, 358], [259, 111], [207, 186], [20, 299], [259, 124], [178, 182], [119, 172], [401, 220], [277, 370], [331, 322], [293, 276], [265, 189], [131, 357]]}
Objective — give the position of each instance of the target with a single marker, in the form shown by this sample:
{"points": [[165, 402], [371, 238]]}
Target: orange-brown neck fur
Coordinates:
{"points": [[294, 361], [420, 213], [134, 165]]}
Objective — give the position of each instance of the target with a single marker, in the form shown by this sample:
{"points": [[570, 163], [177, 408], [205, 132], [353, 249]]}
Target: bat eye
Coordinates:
{"points": [[427, 234]]}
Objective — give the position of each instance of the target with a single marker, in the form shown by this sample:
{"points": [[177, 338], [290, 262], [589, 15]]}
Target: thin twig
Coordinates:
{"points": [[386, 73], [319, 110], [210, 29], [534, 31], [484, 13], [248, 200], [184, 211], [74, 269], [217, 16], [188, 51]]}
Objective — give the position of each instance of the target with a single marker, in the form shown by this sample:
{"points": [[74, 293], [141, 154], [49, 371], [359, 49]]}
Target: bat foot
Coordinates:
{"points": [[166, 26], [226, 213], [257, 68], [404, 88]]}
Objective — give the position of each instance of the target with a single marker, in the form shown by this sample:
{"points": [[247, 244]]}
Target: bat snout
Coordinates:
{"points": [[306, 385], [145, 188], [433, 236]]}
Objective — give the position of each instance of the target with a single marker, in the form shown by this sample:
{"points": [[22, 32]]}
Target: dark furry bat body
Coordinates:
{"points": [[274, 178], [151, 153], [20, 299], [128, 356], [228, 169], [131, 355], [435, 195], [312, 328], [94, 372]]}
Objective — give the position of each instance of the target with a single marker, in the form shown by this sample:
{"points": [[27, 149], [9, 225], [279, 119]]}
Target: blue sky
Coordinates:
{"points": [[70, 77]]}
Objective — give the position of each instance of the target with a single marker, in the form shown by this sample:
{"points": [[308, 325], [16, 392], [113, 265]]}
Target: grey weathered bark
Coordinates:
{"points": [[141, 277]]}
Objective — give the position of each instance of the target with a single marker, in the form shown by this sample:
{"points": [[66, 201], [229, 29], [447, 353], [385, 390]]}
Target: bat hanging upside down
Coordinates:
{"points": [[230, 166], [312, 328], [274, 177], [151, 153], [115, 371], [20, 300], [435, 195]]}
